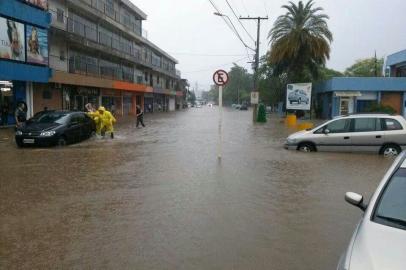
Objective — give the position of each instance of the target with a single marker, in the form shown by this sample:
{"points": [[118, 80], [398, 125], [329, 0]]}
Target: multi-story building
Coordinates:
{"points": [[99, 55], [23, 54]]}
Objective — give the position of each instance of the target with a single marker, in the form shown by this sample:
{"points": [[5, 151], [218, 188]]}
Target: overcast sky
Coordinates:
{"points": [[188, 30]]}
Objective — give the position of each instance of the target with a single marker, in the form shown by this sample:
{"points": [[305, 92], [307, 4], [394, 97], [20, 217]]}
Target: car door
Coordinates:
{"points": [[367, 134], [335, 136], [73, 130], [394, 132]]}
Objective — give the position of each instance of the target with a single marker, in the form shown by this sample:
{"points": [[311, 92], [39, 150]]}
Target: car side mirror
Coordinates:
{"points": [[326, 131], [356, 200]]}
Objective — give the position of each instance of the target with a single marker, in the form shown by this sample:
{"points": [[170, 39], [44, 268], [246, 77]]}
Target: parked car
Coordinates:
{"points": [[380, 133], [244, 107], [237, 106], [299, 96], [55, 128], [379, 240]]}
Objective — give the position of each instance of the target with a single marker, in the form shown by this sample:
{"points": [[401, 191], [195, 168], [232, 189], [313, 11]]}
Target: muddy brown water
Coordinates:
{"points": [[157, 198]]}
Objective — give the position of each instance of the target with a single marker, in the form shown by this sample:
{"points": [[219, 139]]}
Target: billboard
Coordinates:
{"points": [[37, 45], [12, 40], [39, 3], [299, 96]]}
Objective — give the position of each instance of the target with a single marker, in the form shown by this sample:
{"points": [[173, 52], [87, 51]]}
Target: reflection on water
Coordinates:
{"points": [[156, 198]]}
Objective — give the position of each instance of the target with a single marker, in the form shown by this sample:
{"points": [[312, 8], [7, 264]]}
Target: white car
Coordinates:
{"points": [[379, 133], [379, 241]]}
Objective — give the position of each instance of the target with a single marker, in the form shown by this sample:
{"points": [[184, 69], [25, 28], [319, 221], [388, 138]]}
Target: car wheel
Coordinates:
{"points": [[390, 150], [299, 101], [306, 147], [19, 143], [62, 141]]}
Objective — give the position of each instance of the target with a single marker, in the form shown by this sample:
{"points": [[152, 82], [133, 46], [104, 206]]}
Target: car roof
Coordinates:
{"points": [[363, 115]]}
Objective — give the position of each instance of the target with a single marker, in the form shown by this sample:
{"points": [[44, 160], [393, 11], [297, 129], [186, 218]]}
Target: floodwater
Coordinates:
{"points": [[157, 198]]}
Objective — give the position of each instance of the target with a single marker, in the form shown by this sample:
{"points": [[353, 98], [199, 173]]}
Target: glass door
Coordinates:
{"points": [[344, 106]]}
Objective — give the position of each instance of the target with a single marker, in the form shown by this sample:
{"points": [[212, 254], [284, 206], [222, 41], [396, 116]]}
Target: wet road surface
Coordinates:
{"points": [[156, 198]]}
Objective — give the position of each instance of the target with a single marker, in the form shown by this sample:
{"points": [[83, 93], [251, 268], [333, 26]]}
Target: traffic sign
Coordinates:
{"points": [[220, 77], [254, 97]]}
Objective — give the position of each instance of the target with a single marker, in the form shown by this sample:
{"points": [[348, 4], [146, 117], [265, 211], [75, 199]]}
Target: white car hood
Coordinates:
{"points": [[297, 134], [379, 247]]}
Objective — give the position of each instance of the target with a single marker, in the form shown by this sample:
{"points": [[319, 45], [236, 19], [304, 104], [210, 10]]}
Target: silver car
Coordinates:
{"points": [[298, 96], [379, 241], [380, 133]]}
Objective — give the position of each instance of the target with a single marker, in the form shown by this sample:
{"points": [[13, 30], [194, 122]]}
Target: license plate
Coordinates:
{"points": [[28, 141]]}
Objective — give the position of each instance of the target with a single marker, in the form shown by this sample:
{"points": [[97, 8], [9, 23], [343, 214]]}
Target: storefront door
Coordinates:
{"points": [[346, 105]]}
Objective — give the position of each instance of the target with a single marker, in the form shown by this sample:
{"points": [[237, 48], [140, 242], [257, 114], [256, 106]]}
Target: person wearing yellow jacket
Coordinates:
{"points": [[94, 114], [106, 120]]}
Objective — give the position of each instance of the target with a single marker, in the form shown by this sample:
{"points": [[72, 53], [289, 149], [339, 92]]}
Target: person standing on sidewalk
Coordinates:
{"points": [[20, 115], [140, 116]]}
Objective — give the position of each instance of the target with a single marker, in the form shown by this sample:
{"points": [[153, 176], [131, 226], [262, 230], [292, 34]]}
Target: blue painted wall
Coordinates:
{"points": [[13, 71], [23, 12], [396, 58], [362, 84], [17, 71]]}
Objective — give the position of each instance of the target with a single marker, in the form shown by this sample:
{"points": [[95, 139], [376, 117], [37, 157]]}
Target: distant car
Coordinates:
{"points": [[198, 105], [55, 128], [243, 107], [380, 133], [237, 106], [379, 240], [299, 96]]}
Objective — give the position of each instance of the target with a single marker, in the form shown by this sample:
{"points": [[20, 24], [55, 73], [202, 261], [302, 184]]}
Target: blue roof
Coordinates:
{"points": [[396, 58], [362, 84]]}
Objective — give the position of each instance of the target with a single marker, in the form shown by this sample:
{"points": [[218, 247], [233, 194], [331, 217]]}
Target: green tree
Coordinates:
{"points": [[239, 86], [369, 67], [192, 97], [271, 85], [300, 41]]}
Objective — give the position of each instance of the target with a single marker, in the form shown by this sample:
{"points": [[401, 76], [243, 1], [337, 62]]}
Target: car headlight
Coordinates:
{"points": [[19, 133], [48, 133], [291, 140]]}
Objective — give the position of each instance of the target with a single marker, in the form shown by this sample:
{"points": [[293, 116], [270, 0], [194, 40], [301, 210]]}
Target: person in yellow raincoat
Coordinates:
{"points": [[106, 120], [94, 114]]}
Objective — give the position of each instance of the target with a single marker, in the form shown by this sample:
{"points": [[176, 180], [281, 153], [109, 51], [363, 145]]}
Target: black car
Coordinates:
{"points": [[244, 107], [55, 128]]}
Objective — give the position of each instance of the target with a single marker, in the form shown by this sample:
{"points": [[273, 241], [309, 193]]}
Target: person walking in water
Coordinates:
{"points": [[140, 116], [107, 121]]}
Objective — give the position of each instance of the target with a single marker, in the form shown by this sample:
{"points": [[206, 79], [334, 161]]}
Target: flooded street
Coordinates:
{"points": [[157, 198]]}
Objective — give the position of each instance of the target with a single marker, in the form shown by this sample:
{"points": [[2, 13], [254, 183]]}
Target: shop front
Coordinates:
{"points": [[12, 93], [149, 102], [76, 97], [112, 100]]}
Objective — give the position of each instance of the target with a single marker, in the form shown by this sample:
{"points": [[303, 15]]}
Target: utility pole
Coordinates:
{"points": [[256, 63]]}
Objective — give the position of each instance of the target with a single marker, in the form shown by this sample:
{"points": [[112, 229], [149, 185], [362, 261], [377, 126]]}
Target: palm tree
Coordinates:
{"points": [[300, 41]]}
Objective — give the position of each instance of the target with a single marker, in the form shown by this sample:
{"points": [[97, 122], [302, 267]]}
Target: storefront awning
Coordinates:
{"points": [[348, 94]]}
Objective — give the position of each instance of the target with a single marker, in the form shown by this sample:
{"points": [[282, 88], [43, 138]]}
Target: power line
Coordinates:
{"points": [[232, 27], [242, 25], [208, 55], [211, 68]]}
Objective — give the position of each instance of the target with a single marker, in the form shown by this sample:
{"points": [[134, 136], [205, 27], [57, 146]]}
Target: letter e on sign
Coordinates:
{"points": [[220, 77]]}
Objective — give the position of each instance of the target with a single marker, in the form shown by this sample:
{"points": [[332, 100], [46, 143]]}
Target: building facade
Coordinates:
{"points": [[23, 54], [340, 95], [99, 55]]}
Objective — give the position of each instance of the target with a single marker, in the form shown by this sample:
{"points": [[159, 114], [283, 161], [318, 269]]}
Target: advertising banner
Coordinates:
{"points": [[299, 96], [37, 45], [39, 3], [12, 40]]}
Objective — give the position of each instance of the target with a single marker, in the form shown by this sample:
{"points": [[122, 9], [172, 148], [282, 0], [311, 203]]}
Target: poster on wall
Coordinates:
{"points": [[37, 45], [299, 96], [12, 40], [39, 3]]}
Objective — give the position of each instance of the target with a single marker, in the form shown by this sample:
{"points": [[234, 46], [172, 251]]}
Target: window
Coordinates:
{"points": [[339, 126], [62, 56], [60, 15], [392, 124], [365, 124], [391, 208]]}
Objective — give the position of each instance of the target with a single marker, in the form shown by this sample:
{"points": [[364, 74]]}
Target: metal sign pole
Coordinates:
{"points": [[220, 144]]}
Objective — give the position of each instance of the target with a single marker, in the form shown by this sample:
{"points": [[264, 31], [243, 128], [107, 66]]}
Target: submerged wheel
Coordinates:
{"points": [[306, 147], [390, 150], [62, 141]]}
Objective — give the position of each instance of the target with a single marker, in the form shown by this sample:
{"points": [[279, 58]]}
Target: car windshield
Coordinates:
{"points": [[391, 209], [48, 118]]}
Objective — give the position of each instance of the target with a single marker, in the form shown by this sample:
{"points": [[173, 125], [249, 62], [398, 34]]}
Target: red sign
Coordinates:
{"points": [[220, 77]]}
